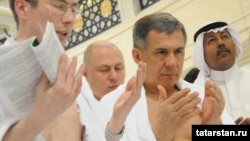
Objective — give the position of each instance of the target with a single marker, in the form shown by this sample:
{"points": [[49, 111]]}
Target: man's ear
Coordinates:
{"points": [[21, 8], [85, 71], [136, 53]]}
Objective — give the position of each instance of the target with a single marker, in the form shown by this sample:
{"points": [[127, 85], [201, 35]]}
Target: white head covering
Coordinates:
{"points": [[198, 52]]}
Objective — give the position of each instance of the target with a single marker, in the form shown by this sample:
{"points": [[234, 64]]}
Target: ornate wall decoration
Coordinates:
{"points": [[97, 16], [147, 3]]}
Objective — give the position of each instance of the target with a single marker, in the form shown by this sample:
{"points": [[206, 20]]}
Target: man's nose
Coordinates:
{"points": [[69, 16], [113, 74], [170, 61]]}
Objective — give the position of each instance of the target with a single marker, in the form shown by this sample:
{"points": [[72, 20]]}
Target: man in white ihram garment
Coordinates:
{"points": [[217, 50], [104, 72], [27, 111], [168, 105]]}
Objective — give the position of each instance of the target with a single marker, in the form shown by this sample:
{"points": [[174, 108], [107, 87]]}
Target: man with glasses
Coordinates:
{"points": [[50, 101]]}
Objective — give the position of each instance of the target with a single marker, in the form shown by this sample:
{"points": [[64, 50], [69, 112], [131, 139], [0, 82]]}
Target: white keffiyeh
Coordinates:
{"points": [[198, 52]]}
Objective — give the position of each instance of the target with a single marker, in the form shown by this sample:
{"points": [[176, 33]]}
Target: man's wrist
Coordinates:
{"points": [[113, 136]]}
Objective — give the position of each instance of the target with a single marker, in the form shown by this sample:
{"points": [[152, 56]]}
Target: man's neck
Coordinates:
{"points": [[155, 95]]}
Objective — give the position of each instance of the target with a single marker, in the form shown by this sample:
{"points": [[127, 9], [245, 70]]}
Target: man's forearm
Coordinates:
{"points": [[25, 130]]}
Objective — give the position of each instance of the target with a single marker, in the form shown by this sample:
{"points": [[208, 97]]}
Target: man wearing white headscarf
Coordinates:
{"points": [[217, 50]]}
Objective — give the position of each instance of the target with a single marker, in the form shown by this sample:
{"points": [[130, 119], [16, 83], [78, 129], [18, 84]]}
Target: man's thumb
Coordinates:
{"points": [[43, 84], [162, 93]]}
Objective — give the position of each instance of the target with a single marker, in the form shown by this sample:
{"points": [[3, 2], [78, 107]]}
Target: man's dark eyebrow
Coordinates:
{"points": [[181, 47], [225, 31], [209, 35], [160, 48]]}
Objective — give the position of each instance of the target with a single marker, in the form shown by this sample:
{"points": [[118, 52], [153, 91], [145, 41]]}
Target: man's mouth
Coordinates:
{"points": [[62, 34], [222, 52], [113, 87]]}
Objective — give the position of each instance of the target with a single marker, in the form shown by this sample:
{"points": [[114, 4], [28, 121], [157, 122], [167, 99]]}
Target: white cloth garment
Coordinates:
{"points": [[233, 82], [91, 113], [137, 125], [235, 85], [6, 120]]}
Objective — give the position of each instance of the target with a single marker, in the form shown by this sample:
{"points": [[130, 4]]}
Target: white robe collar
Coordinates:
{"points": [[224, 75]]}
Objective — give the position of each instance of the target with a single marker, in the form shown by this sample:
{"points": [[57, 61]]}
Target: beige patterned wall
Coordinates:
{"points": [[193, 13], [6, 18], [4, 2], [4, 7]]}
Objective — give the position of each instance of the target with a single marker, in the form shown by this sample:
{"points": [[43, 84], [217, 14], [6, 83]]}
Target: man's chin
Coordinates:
{"points": [[63, 42]]}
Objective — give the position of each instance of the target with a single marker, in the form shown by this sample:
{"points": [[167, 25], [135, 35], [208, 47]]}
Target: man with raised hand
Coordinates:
{"points": [[51, 101], [217, 50]]}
